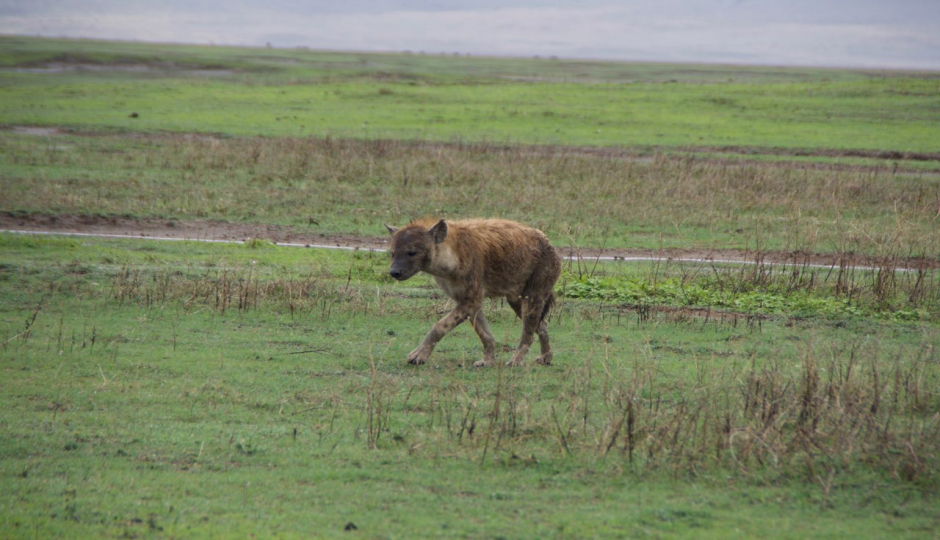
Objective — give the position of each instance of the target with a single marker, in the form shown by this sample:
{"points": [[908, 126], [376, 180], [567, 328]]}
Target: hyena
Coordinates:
{"points": [[476, 259]]}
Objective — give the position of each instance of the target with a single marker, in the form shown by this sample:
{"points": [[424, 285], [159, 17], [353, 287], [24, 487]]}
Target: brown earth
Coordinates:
{"points": [[222, 230]]}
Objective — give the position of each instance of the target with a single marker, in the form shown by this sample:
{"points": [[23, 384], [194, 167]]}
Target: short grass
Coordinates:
{"points": [[221, 390], [309, 66], [187, 389], [388, 96]]}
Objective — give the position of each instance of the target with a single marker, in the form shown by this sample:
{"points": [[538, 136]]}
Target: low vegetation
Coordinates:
{"points": [[280, 66], [268, 386], [577, 198], [197, 389], [796, 290], [300, 94]]}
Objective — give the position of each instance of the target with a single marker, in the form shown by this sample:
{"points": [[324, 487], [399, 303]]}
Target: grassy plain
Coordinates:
{"points": [[184, 388], [303, 93], [578, 198], [809, 160], [302, 65], [187, 389]]}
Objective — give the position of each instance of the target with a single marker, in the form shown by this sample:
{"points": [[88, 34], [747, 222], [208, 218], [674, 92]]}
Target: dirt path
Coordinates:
{"points": [[235, 232], [188, 230]]}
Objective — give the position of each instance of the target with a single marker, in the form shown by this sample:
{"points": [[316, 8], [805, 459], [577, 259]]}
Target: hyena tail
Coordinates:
{"points": [[549, 304]]}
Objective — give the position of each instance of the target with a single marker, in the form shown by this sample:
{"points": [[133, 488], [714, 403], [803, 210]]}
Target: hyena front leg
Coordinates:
{"points": [[440, 329], [482, 328]]}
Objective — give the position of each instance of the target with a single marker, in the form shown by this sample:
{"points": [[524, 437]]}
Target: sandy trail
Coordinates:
{"points": [[220, 231]]}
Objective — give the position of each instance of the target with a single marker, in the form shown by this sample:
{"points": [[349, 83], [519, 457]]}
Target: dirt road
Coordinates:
{"points": [[227, 231]]}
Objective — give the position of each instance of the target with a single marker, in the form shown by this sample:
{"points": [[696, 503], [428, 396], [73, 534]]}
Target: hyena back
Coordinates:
{"points": [[476, 259]]}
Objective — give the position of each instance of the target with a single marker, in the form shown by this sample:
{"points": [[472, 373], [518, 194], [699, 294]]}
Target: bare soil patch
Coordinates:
{"points": [[36, 130], [280, 234]]}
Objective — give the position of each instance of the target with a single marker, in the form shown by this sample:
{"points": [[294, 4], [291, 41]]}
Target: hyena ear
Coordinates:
{"points": [[391, 230], [438, 232]]}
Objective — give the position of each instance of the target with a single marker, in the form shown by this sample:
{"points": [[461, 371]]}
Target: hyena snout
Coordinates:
{"points": [[401, 272]]}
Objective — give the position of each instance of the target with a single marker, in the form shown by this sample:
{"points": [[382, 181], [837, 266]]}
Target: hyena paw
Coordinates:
{"points": [[418, 356], [544, 359], [486, 362], [517, 360]]}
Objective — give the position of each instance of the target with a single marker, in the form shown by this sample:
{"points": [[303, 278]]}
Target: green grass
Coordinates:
{"points": [[810, 160], [193, 389], [884, 111], [301, 65], [708, 293], [891, 114], [138, 400]]}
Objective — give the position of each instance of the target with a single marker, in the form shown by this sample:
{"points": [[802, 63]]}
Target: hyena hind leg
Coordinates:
{"points": [[544, 359], [532, 311]]}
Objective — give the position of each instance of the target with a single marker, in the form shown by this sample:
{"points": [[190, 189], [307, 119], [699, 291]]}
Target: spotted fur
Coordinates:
{"points": [[476, 259]]}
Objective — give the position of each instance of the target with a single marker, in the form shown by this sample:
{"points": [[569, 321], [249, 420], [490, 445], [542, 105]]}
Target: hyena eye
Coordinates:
{"points": [[412, 253]]}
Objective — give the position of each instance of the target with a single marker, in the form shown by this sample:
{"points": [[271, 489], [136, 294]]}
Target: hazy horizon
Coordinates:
{"points": [[858, 34]]}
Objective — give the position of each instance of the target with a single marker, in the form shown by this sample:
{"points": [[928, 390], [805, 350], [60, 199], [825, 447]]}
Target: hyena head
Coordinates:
{"points": [[413, 248]]}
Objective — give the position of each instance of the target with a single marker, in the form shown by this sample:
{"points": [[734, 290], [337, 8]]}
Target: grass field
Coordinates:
{"points": [[193, 389], [231, 390], [302, 65], [819, 160], [297, 93], [578, 199]]}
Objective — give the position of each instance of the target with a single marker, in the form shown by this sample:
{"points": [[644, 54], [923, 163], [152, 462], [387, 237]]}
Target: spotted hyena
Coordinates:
{"points": [[476, 259]]}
